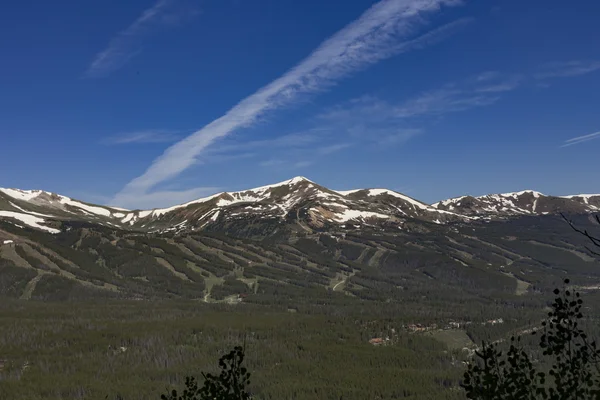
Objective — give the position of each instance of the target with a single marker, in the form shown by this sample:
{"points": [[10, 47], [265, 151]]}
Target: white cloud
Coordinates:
{"points": [[126, 44], [332, 148], [503, 86], [302, 164], [271, 163], [367, 112], [381, 32], [482, 90], [400, 136], [291, 140], [567, 69], [384, 124], [487, 75], [581, 139], [152, 136], [442, 101]]}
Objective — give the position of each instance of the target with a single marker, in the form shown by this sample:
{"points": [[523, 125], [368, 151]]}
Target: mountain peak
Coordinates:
{"points": [[297, 179], [522, 192], [297, 199]]}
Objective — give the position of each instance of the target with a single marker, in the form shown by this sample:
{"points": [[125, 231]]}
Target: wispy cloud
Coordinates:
{"points": [[382, 31], [275, 162], [505, 85], [311, 143], [567, 69], [127, 43], [398, 137], [370, 120], [487, 75], [581, 139], [482, 90], [303, 164], [442, 101], [479, 91], [332, 148], [152, 136], [293, 140]]}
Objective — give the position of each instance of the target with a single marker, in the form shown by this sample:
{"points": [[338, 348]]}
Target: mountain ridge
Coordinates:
{"points": [[314, 205], [295, 239]]}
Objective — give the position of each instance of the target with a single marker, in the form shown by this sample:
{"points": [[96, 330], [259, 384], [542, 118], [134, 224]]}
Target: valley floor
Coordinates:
{"points": [[138, 350]]}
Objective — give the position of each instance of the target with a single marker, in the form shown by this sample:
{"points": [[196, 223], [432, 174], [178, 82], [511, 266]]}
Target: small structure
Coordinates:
{"points": [[376, 341], [417, 327], [8, 242]]}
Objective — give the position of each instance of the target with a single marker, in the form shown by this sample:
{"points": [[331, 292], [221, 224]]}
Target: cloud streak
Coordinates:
{"points": [[581, 139], [127, 43], [379, 33], [567, 69], [479, 91], [152, 136], [443, 101]]}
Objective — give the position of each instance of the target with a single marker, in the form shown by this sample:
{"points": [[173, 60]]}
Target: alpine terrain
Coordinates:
{"points": [[290, 239]]}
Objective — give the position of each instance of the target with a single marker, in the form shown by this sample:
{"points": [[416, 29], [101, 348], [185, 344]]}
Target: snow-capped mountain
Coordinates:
{"points": [[527, 202], [591, 200], [298, 201], [38, 208], [296, 204]]}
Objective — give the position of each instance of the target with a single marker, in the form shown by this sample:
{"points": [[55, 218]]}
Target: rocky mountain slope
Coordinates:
{"points": [[296, 204], [295, 241], [527, 202]]}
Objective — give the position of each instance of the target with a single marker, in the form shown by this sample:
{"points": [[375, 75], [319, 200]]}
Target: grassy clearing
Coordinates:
{"points": [[455, 339]]}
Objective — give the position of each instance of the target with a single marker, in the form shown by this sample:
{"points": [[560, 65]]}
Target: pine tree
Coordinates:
{"points": [[574, 359], [230, 384]]}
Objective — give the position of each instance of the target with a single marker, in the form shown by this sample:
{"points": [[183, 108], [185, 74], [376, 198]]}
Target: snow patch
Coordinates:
{"points": [[379, 192], [160, 211], [30, 220], [128, 218], [94, 210], [348, 215], [585, 197], [347, 192], [522, 192], [454, 200], [25, 195], [31, 212]]}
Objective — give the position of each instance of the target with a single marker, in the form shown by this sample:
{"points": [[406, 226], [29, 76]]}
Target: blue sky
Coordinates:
{"points": [[150, 103]]}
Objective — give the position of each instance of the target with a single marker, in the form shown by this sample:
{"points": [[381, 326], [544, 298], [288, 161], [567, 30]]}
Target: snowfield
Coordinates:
{"points": [[30, 220]]}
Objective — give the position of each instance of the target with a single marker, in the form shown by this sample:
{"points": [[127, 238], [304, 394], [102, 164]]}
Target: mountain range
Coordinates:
{"points": [[295, 240], [299, 200]]}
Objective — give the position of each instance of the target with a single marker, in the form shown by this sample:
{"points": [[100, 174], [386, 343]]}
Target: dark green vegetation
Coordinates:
{"points": [[567, 368], [141, 349], [230, 384], [458, 262], [307, 305]]}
